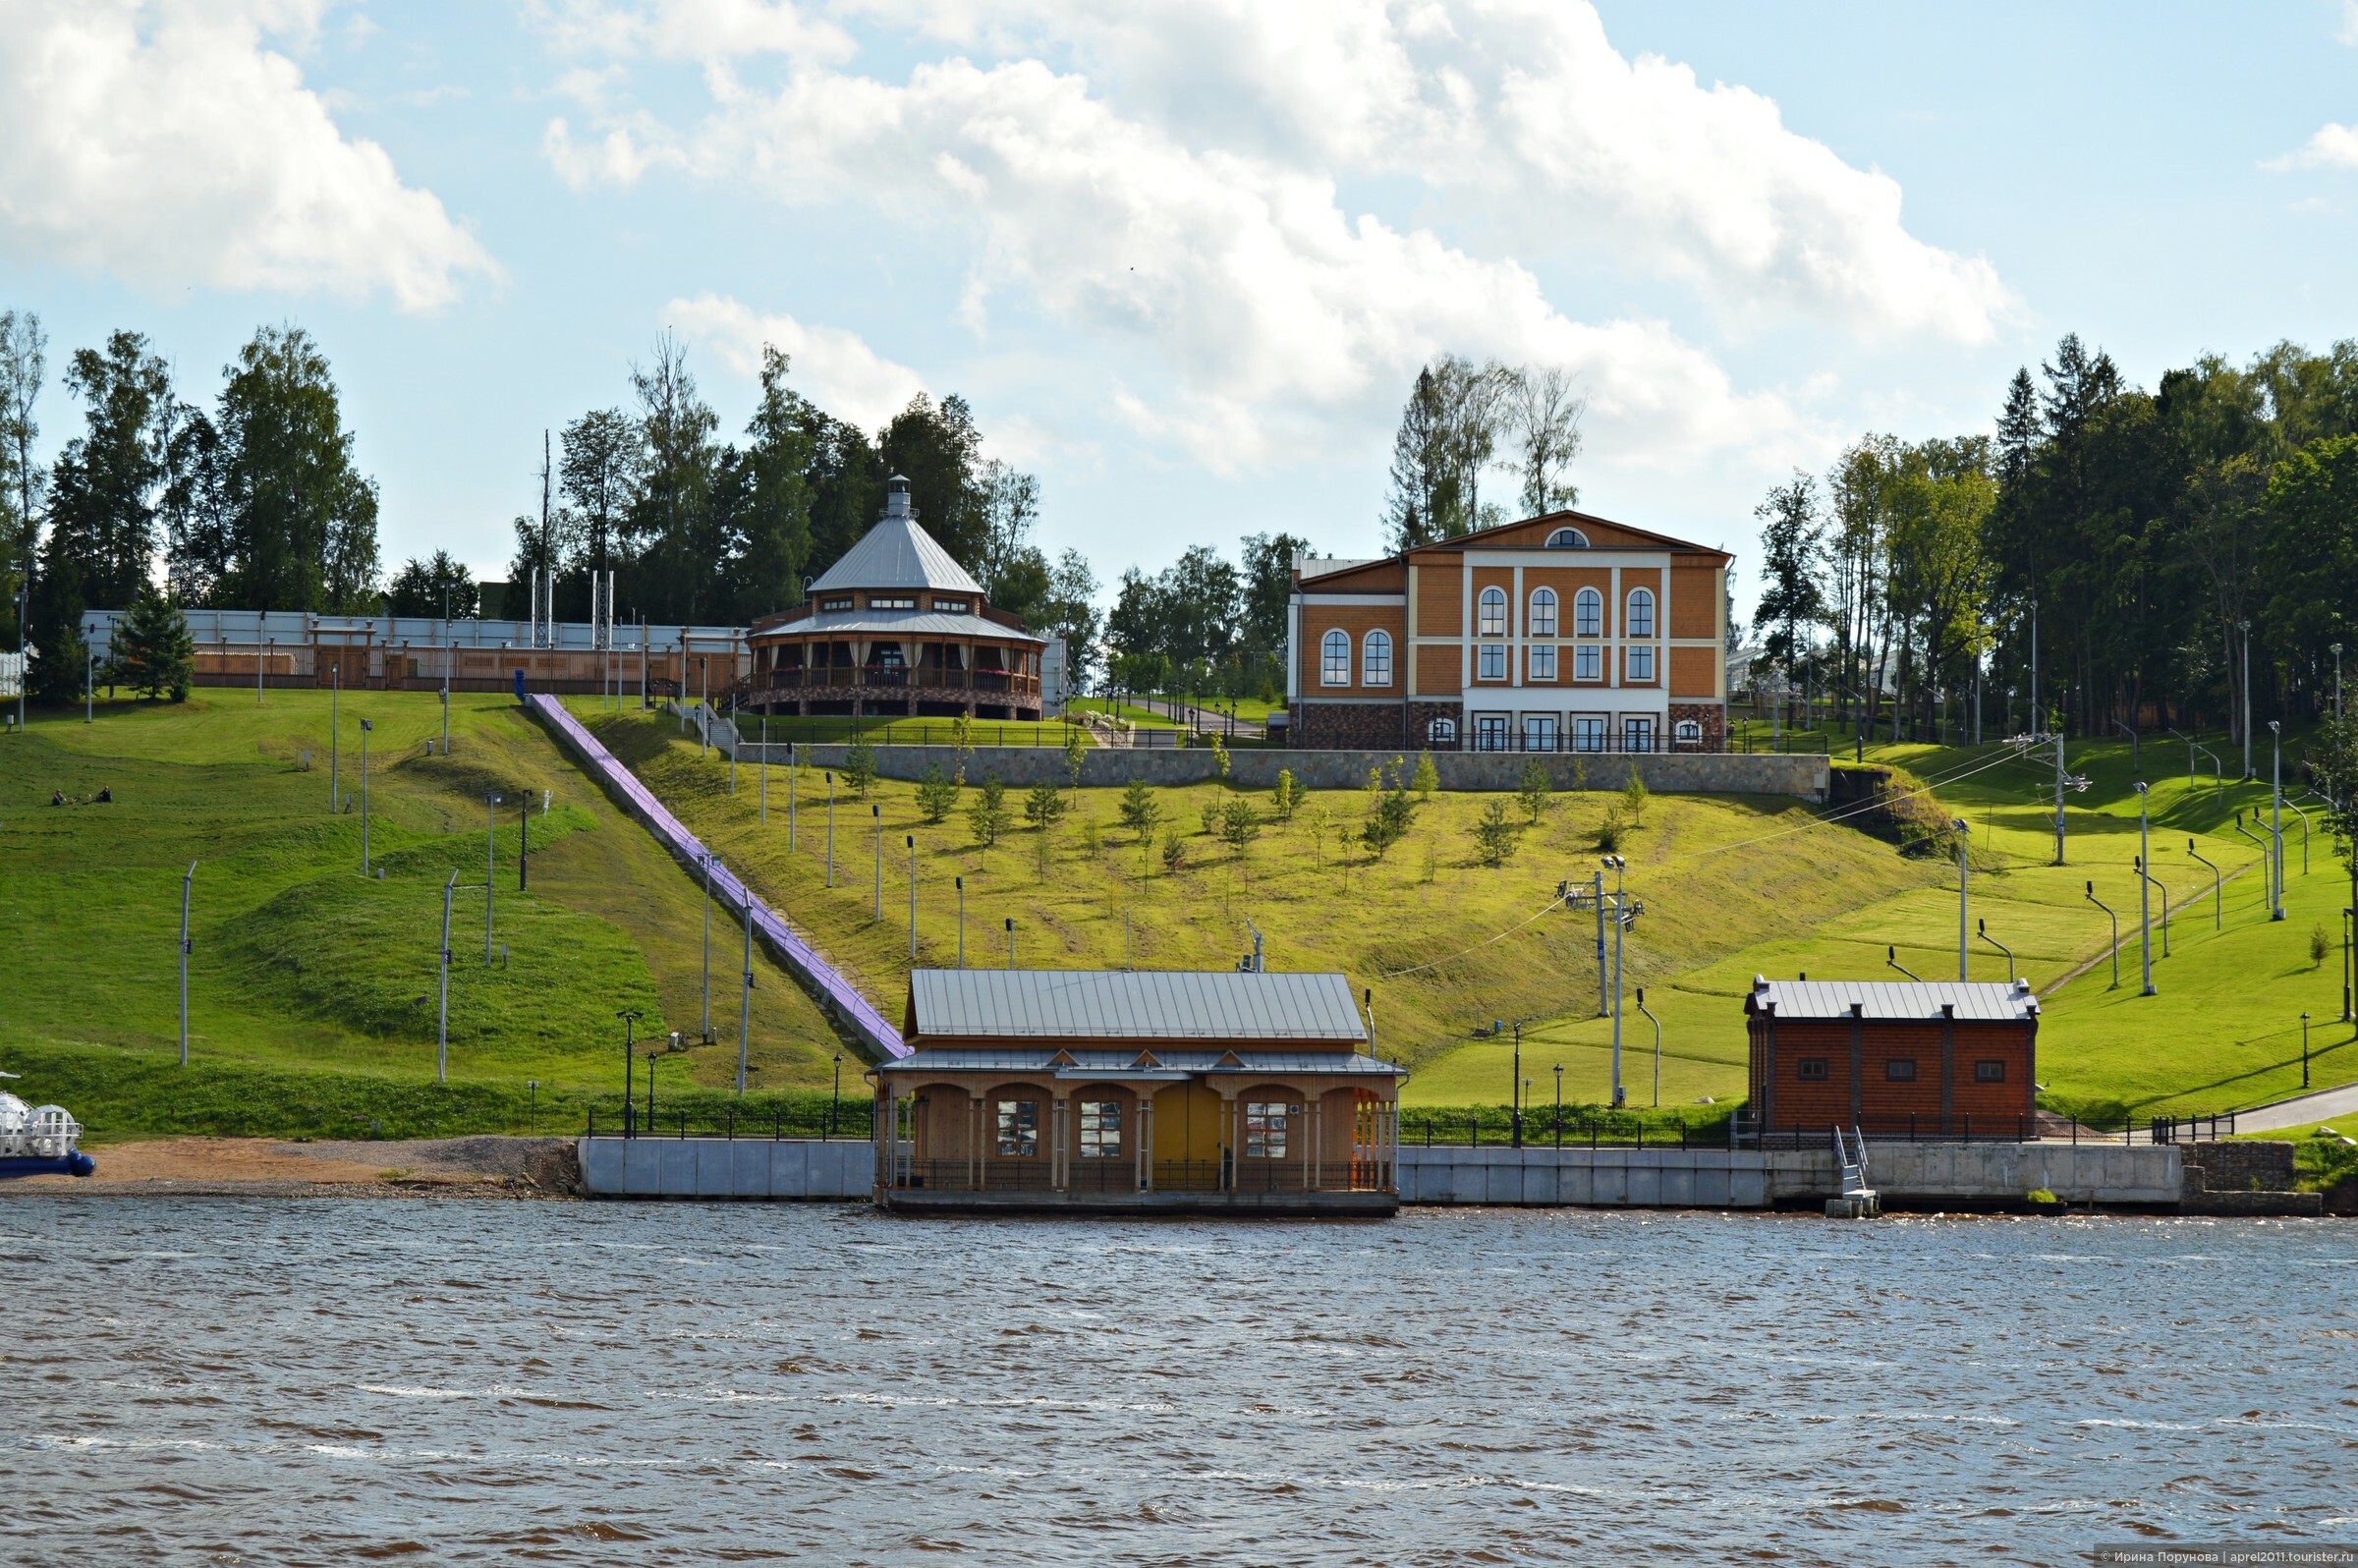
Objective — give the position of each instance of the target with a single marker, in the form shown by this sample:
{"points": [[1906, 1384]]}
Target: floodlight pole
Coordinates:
{"points": [[630, 1017], [365, 726], [490, 865], [2145, 896], [1964, 844], [2275, 826], [1599, 894], [745, 1005], [2108, 909], [2136, 754], [2219, 890], [187, 878], [442, 1021]]}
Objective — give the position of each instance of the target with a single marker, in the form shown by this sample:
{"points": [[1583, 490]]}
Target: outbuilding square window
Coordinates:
{"points": [[1900, 1069], [1811, 1070], [1019, 1128], [1990, 1072], [1334, 658], [1264, 1128], [1492, 621], [1491, 662], [1101, 1129]]}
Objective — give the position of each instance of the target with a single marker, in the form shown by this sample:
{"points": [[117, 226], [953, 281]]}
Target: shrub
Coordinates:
{"points": [[1609, 831], [1174, 852], [1429, 777], [2319, 945], [1535, 789], [1240, 825], [1494, 835], [1287, 796], [859, 765], [1140, 811], [1219, 759], [1076, 754], [1090, 839], [937, 796], [1044, 806], [1393, 815], [1634, 796], [988, 815], [1212, 816]]}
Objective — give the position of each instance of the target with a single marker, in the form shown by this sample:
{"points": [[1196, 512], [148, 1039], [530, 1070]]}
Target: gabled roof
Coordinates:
{"points": [[1189, 1007], [897, 554], [1532, 532], [1894, 1002]]}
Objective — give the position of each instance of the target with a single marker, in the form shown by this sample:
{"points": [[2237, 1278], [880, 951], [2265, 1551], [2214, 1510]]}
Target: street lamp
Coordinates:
{"points": [[630, 1017], [1964, 843], [365, 726], [745, 1005], [1011, 942], [2246, 628], [875, 816], [185, 881], [830, 830], [2304, 1050], [2144, 895], [962, 922], [1559, 1104], [835, 1111], [2219, 890], [1619, 864], [442, 1023], [2115, 920], [1515, 1088], [2275, 826], [492, 800], [1657, 1046]]}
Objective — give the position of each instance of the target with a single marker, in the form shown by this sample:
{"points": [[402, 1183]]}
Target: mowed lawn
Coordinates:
{"points": [[302, 966], [1447, 944]]}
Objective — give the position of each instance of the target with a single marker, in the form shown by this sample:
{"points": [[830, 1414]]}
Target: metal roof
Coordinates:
{"points": [[897, 554], [1911, 1001], [895, 622], [1143, 1005], [1125, 1064]]}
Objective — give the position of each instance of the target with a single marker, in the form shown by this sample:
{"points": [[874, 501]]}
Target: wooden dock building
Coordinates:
{"points": [[1895, 1060]]}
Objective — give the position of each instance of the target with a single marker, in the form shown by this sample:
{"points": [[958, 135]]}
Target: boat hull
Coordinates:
{"points": [[76, 1163]]}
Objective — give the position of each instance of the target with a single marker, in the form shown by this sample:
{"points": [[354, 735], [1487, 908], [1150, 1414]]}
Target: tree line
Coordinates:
{"points": [[2163, 559]]}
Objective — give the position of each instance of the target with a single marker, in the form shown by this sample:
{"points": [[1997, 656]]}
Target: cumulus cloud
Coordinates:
{"points": [[708, 31], [167, 143], [832, 367], [2335, 147], [1171, 188]]}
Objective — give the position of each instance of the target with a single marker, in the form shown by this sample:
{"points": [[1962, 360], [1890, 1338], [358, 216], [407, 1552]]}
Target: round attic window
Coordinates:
{"points": [[1567, 540]]}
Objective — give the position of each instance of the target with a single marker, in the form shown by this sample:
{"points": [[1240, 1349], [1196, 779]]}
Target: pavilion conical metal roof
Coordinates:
{"points": [[897, 554]]}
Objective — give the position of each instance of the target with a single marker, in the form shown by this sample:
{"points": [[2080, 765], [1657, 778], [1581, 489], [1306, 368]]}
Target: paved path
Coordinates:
{"points": [[2301, 1110]]}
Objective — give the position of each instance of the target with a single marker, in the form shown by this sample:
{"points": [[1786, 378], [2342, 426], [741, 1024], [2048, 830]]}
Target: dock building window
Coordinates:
{"points": [[1493, 620], [1019, 1128], [1810, 1069], [1264, 1128], [1990, 1072], [1375, 664], [1101, 1129], [1900, 1069]]}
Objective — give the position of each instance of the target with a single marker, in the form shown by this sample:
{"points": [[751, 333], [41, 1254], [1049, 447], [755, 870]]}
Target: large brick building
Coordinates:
{"points": [[1923, 1059], [1561, 633]]}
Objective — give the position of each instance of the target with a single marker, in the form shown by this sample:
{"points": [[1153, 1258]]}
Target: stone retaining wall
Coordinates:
{"points": [[781, 1171], [1021, 766]]}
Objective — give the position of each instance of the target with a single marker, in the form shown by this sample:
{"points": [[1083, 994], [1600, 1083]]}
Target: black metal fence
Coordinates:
{"points": [[2192, 1129], [853, 1121], [1545, 1128]]}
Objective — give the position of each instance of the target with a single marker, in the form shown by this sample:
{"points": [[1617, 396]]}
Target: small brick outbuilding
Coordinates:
{"points": [[1926, 1059]]}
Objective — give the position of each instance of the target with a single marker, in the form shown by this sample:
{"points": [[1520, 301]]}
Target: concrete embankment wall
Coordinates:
{"points": [[785, 1169], [1021, 766], [1911, 1174]]}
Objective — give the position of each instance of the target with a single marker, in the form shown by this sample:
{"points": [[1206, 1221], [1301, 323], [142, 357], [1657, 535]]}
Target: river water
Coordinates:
{"points": [[245, 1381]]}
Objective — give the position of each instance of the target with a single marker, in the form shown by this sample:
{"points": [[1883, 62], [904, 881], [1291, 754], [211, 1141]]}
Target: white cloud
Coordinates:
{"points": [[832, 367], [167, 143], [2348, 31], [707, 30], [2335, 147]]}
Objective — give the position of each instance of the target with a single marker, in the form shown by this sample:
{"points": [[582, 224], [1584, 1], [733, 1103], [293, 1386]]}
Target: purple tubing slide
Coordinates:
{"points": [[836, 994]]}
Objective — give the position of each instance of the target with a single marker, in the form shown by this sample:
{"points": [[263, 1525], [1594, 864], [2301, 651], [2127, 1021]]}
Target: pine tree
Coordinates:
{"points": [[988, 815], [1494, 835], [159, 657], [1535, 789], [937, 796]]}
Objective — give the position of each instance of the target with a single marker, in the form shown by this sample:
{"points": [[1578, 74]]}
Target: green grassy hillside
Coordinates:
{"points": [[304, 968]]}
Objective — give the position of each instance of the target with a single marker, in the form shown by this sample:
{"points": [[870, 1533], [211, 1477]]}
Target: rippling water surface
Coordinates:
{"points": [[226, 1381]]}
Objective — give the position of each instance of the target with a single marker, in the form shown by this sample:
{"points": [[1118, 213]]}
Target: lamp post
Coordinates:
{"points": [[630, 1017], [2304, 1050], [835, 1111], [763, 770], [2145, 896], [2276, 825], [745, 1005], [1620, 922], [830, 830], [732, 746], [2136, 754], [962, 922], [335, 695], [2218, 888], [875, 816], [442, 1021], [912, 898], [703, 703], [2246, 628], [793, 768], [707, 1030], [1964, 843], [1559, 1104], [2115, 920], [186, 880], [1011, 942], [1515, 1091], [2338, 686], [365, 728], [1981, 929], [490, 864], [1657, 1046], [532, 1108]]}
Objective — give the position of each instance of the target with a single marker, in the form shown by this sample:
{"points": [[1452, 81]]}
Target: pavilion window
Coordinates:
{"points": [[1019, 1128], [1101, 1129], [1266, 1127]]}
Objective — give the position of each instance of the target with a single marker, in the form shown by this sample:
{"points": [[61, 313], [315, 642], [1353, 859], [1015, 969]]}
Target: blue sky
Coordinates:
{"points": [[1184, 261]]}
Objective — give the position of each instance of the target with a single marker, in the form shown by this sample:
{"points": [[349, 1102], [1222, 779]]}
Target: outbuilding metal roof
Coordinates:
{"points": [[1122, 1064], [895, 623], [897, 554], [1185, 1007], [1911, 1001]]}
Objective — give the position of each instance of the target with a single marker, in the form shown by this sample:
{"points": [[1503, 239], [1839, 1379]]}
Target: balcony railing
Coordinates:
{"points": [[1120, 1174], [876, 676]]}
